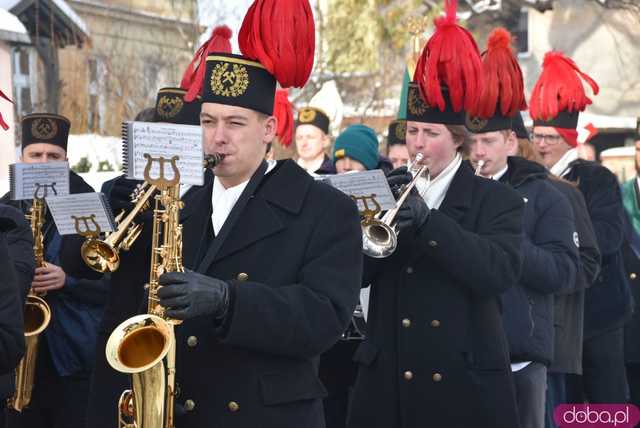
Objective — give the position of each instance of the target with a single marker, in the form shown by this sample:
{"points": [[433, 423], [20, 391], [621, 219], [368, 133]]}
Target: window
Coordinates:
{"points": [[24, 85], [521, 32]]}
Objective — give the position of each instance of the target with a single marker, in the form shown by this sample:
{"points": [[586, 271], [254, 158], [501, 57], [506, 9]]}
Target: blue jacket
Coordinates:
{"points": [[550, 256], [76, 308], [608, 303]]}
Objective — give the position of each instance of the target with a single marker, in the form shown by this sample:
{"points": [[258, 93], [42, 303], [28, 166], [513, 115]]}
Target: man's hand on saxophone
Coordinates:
{"points": [[189, 294], [48, 278]]}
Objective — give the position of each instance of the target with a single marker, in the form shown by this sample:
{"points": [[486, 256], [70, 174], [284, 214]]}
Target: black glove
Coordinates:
{"points": [[398, 178], [190, 294], [120, 194], [413, 213]]}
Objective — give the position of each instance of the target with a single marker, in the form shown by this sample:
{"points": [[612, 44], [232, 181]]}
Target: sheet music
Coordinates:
{"points": [[371, 184], [51, 178], [167, 140], [83, 209]]}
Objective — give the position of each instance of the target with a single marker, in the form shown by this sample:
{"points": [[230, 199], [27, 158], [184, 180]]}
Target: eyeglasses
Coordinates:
{"points": [[548, 138]]}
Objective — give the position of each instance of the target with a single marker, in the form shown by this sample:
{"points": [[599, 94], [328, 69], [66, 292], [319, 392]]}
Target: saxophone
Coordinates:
{"points": [[144, 345], [37, 315]]}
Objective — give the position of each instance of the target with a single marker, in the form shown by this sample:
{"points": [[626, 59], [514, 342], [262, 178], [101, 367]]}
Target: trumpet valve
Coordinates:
{"points": [[134, 231], [119, 217]]}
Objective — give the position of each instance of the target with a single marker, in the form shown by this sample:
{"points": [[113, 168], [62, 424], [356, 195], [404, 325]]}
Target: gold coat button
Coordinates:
{"points": [[409, 270], [437, 377], [408, 375], [633, 276], [192, 341], [233, 406], [433, 244], [242, 277], [435, 323], [189, 405], [406, 323]]}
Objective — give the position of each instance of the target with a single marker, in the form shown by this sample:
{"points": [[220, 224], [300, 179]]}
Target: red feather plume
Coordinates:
{"points": [[451, 59], [3, 124], [283, 111], [559, 88], [503, 84], [220, 41], [280, 34]]}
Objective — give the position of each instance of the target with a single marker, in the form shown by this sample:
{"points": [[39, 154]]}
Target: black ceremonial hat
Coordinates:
{"points": [[397, 132], [517, 126], [172, 108], [314, 116], [237, 81], [419, 111], [45, 128], [497, 122]]}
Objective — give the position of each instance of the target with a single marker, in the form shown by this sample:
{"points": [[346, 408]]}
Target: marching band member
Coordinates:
{"points": [[312, 139], [549, 246], [556, 101], [271, 287], [126, 290], [436, 354], [66, 349], [397, 143], [17, 265]]}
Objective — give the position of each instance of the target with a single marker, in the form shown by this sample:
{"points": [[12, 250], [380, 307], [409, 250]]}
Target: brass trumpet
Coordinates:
{"points": [[379, 236], [37, 315], [104, 255]]}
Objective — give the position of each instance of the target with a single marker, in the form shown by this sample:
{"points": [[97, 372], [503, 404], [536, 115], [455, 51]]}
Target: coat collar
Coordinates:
{"points": [[197, 197], [284, 188], [460, 193]]}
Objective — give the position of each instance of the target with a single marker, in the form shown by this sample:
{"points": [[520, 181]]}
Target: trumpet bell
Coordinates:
{"points": [[100, 256], [139, 343], [379, 240]]}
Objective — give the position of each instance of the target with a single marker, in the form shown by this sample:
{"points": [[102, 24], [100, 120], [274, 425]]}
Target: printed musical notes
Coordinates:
{"points": [[29, 180], [367, 188], [84, 213], [163, 140]]}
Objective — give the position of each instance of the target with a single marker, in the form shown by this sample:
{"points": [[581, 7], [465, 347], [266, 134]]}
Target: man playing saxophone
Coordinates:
{"points": [[64, 352], [273, 259]]}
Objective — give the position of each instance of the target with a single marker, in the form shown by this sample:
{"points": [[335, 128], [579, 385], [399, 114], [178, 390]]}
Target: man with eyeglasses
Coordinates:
{"points": [[554, 107]]}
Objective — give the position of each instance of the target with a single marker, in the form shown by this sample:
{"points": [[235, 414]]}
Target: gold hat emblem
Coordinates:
{"points": [[169, 107], [44, 128], [307, 115], [475, 123], [229, 83], [415, 103], [401, 130]]}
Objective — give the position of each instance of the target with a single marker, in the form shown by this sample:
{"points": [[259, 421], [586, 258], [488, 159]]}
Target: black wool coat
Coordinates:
{"points": [[293, 258], [436, 354], [550, 258], [11, 322], [568, 310], [608, 302]]}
